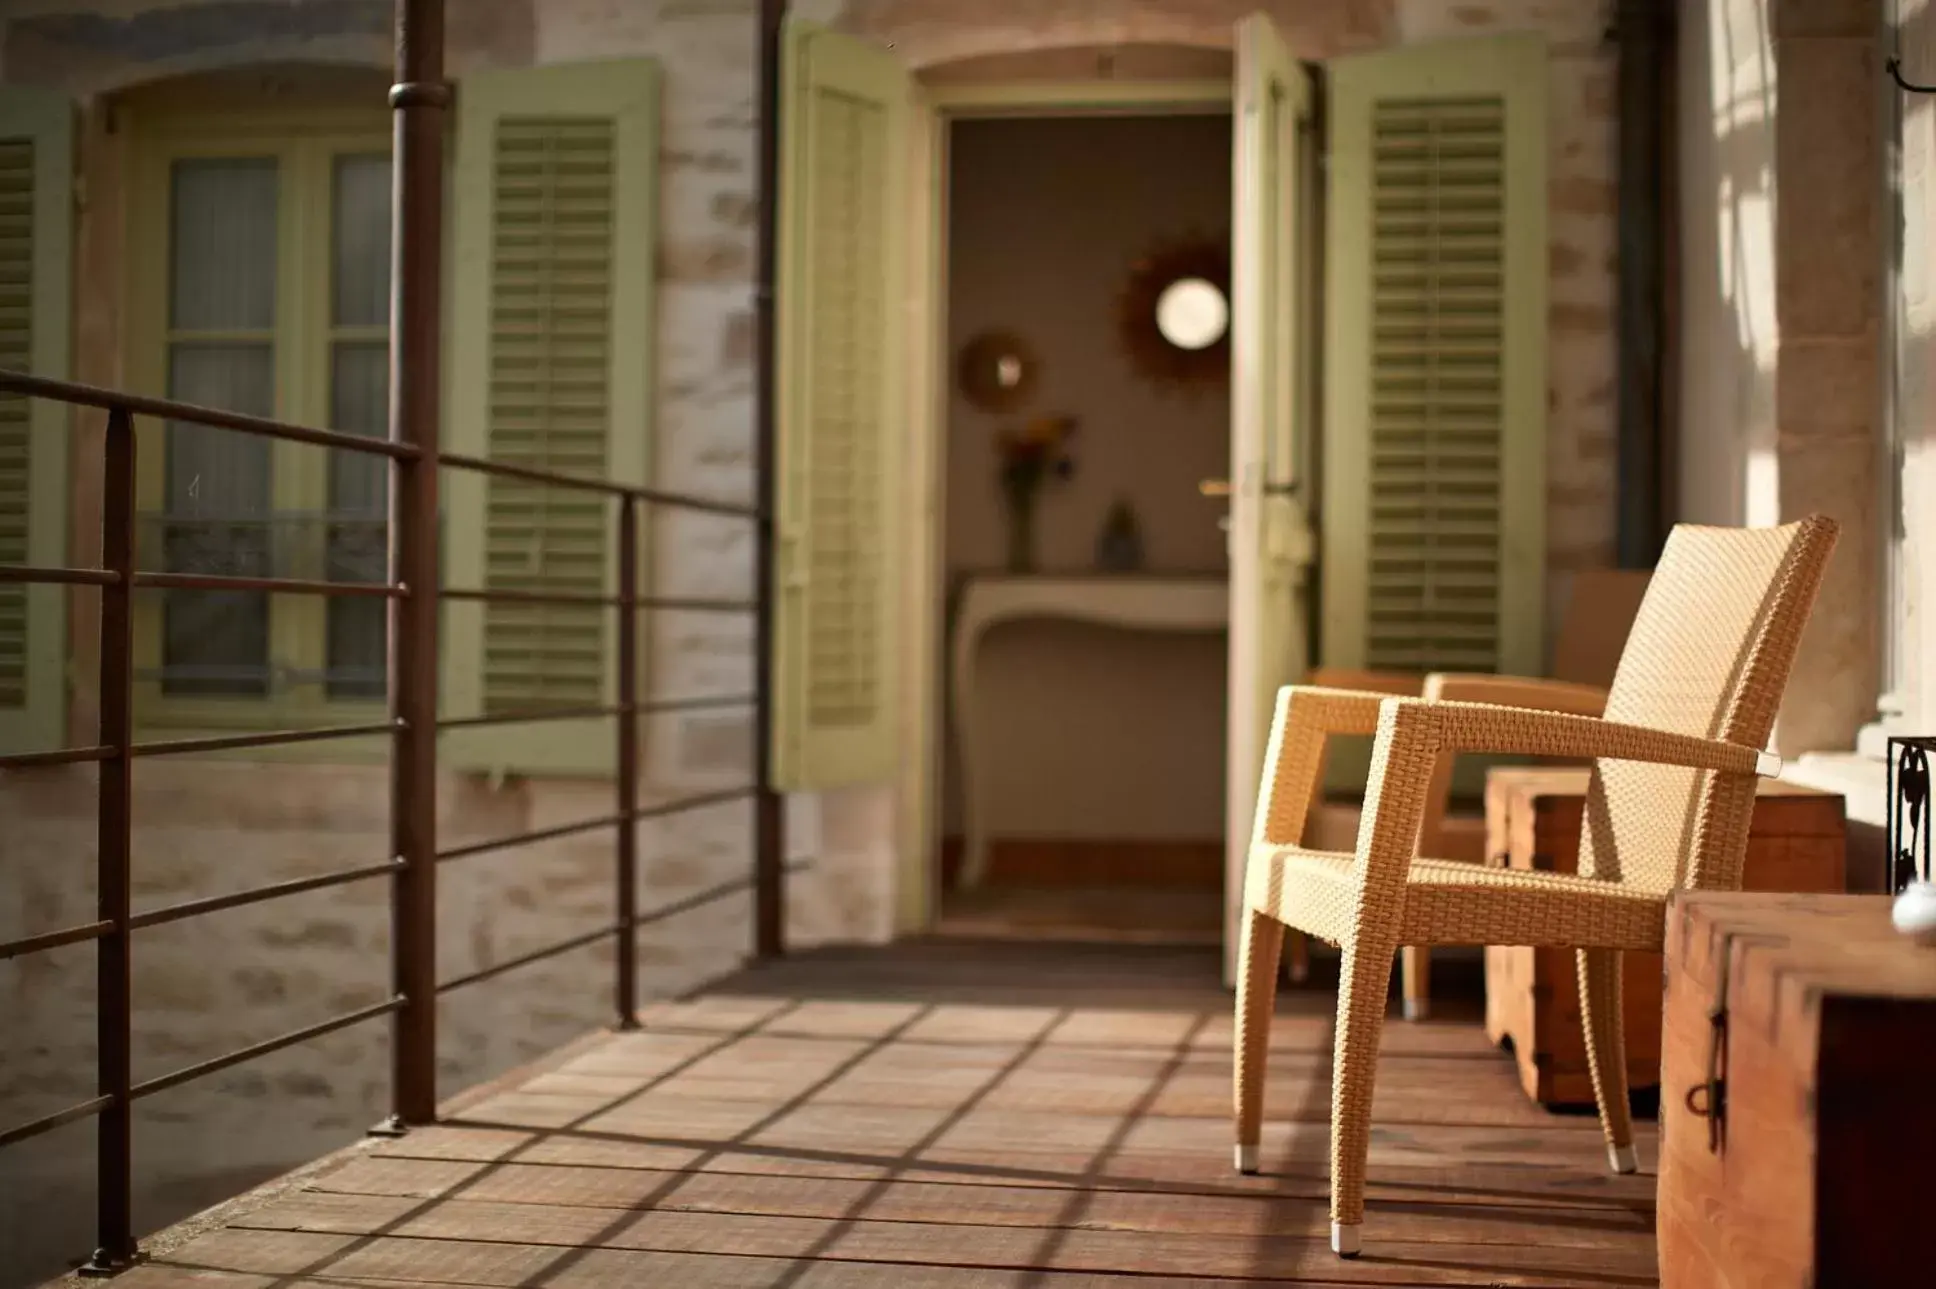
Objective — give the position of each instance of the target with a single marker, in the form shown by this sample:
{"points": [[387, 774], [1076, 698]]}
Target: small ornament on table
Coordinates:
{"points": [[1119, 547], [1029, 458], [1911, 880]]}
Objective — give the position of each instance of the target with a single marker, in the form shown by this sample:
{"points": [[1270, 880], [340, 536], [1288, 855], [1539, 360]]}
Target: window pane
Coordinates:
{"points": [[361, 259], [358, 501], [217, 519], [222, 261]]}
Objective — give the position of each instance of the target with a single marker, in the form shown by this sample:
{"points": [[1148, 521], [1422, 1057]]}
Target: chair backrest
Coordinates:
{"points": [[1709, 655]]}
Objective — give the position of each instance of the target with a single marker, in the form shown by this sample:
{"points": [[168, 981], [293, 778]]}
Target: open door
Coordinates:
{"points": [[1271, 419], [842, 415]]}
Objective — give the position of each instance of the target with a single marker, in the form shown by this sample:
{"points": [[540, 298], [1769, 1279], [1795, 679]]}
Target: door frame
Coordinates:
{"points": [[917, 788]]}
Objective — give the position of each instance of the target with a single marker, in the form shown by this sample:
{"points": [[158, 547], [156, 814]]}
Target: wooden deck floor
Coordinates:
{"points": [[948, 1114]]}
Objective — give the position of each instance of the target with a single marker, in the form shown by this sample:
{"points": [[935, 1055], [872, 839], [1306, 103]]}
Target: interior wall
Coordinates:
{"points": [[1089, 732]]}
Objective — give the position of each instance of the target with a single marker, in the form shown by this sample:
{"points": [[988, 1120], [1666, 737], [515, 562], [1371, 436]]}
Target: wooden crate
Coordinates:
{"points": [[1533, 814], [1826, 1049]]}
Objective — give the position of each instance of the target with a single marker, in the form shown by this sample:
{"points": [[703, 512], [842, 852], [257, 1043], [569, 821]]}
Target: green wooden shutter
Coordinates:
{"points": [[1435, 423], [36, 273], [551, 359], [842, 326]]}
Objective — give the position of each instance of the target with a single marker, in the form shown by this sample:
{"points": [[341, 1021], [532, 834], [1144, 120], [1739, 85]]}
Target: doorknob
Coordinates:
{"points": [[1221, 488]]}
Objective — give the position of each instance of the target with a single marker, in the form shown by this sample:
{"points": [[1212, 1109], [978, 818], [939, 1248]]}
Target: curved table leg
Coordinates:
{"points": [[974, 842]]}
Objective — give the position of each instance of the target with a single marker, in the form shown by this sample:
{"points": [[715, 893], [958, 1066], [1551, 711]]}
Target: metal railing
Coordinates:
{"points": [[412, 725]]}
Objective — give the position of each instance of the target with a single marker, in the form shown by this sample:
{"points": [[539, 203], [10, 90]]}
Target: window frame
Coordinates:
{"points": [[307, 143]]}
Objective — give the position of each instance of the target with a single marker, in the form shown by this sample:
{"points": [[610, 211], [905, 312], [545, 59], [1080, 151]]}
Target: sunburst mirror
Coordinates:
{"points": [[1174, 313]]}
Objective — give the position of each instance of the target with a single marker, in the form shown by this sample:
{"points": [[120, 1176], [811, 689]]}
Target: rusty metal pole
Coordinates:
{"points": [[769, 822], [419, 99], [628, 762], [114, 821]]}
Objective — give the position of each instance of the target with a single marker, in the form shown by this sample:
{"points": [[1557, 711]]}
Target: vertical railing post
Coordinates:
{"points": [[114, 841], [418, 99], [628, 762], [769, 824]]}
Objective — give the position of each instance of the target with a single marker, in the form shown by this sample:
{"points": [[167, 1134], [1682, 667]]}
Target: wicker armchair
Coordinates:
{"points": [[1675, 760]]}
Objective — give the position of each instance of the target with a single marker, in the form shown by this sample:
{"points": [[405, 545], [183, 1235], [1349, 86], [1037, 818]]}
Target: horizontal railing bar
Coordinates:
{"points": [[611, 488], [687, 903], [661, 809], [526, 959], [65, 391], [521, 839], [57, 576], [58, 1120], [532, 715], [536, 714], [508, 595], [290, 1039], [55, 756], [54, 939], [273, 738], [255, 895], [697, 604], [283, 585]]}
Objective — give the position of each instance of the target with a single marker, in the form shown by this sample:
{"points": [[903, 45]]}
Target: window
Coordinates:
{"points": [[262, 265]]}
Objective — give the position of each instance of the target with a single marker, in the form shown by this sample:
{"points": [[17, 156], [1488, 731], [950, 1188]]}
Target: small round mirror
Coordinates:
{"points": [[1192, 314], [996, 371]]}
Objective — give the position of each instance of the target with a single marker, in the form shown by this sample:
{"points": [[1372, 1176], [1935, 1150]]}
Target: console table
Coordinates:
{"points": [[1130, 601]]}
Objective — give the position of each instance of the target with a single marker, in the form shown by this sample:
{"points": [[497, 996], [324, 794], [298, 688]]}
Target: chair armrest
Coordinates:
{"points": [[1482, 727], [1516, 691], [1414, 734], [1306, 715]]}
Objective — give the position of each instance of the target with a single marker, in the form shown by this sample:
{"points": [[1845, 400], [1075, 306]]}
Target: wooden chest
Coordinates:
{"points": [[1533, 814], [1797, 1144]]}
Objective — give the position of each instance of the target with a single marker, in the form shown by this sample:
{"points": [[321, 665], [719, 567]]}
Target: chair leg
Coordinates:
{"points": [[1606, 1052], [1363, 980], [1417, 966], [1263, 942], [1299, 953]]}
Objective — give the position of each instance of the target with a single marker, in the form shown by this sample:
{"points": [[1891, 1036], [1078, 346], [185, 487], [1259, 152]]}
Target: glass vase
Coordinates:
{"points": [[1021, 533]]}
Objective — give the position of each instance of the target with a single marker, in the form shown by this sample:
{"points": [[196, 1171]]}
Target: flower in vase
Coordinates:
{"points": [[1038, 449], [1028, 457]]}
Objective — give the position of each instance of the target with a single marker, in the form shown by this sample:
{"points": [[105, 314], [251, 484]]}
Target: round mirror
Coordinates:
{"points": [[1174, 313], [996, 371], [1192, 314]]}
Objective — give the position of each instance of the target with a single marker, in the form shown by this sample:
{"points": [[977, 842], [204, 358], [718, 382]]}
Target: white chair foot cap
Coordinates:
{"points": [[1247, 1159], [1417, 1008], [1344, 1239], [1625, 1159]]}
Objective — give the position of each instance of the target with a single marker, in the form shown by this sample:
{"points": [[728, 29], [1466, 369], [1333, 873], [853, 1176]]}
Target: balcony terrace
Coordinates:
{"points": [[947, 1113]]}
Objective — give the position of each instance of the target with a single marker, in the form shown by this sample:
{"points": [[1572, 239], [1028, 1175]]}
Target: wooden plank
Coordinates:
{"points": [[260, 1259], [1257, 1213], [1400, 1260], [1453, 1178]]}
